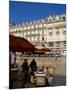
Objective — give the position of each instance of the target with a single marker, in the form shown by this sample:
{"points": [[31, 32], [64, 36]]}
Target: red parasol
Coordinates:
{"points": [[18, 44]]}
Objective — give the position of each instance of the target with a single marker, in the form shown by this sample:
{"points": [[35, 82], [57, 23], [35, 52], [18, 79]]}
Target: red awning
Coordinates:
{"points": [[18, 44]]}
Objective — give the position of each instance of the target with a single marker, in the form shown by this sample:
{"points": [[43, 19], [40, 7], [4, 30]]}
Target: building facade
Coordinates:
{"points": [[49, 32]]}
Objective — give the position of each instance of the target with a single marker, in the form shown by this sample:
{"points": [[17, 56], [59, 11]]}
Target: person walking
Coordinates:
{"points": [[25, 69], [33, 66], [25, 66]]}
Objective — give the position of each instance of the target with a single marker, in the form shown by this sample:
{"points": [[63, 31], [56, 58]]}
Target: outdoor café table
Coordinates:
{"points": [[40, 77]]}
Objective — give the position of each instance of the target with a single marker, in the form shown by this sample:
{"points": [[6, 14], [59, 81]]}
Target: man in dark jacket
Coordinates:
{"points": [[33, 65], [25, 66]]}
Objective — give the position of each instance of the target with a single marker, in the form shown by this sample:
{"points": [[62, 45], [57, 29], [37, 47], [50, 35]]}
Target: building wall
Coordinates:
{"points": [[50, 32]]}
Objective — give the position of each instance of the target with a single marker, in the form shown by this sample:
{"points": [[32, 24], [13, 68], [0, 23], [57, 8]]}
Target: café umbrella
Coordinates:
{"points": [[19, 44]]}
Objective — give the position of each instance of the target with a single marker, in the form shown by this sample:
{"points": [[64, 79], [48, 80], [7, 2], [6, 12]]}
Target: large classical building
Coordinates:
{"points": [[50, 31]]}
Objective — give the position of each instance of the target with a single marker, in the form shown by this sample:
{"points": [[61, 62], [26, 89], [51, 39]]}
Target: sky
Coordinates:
{"points": [[20, 11]]}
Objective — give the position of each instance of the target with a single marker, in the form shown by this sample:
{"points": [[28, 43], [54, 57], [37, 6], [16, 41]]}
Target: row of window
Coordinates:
{"points": [[57, 33], [36, 39], [42, 32], [39, 32], [35, 32], [32, 32], [39, 26], [57, 44], [51, 44]]}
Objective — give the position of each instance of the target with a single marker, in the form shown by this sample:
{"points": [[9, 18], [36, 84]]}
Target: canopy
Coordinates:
{"points": [[41, 48], [18, 44]]}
